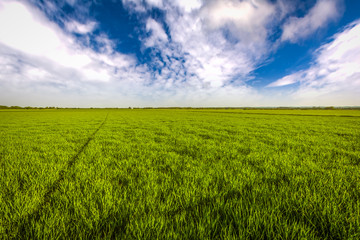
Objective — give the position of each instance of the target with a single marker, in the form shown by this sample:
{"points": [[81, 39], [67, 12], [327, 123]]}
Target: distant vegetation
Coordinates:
{"points": [[244, 108], [180, 174], [18, 107]]}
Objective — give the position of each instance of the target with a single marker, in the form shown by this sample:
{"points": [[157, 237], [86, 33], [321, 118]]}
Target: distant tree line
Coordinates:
{"points": [[28, 107], [257, 108], [243, 108]]}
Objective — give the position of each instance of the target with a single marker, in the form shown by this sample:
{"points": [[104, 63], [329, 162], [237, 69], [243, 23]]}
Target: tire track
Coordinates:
{"points": [[36, 213]]}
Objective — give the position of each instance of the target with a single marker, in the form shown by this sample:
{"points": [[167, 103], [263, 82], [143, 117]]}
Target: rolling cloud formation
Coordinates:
{"points": [[201, 53]]}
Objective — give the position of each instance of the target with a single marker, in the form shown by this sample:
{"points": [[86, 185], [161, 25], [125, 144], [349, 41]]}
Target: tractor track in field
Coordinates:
{"points": [[36, 213]]}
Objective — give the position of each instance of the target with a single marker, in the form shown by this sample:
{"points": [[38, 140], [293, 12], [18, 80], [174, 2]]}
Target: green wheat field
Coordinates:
{"points": [[179, 174]]}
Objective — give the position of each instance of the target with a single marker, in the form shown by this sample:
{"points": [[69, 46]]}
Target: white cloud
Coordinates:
{"points": [[204, 58], [157, 32], [76, 27], [334, 77], [22, 30], [134, 5], [288, 80], [247, 20], [188, 5], [212, 42], [319, 16], [54, 69], [38, 56], [71, 2], [155, 3], [212, 45]]}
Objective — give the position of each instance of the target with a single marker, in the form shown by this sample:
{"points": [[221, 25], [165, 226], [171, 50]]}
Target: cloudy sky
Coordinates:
{"points": [[199, 53]]}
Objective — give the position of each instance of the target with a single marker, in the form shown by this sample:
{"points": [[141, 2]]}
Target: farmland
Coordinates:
{"points": [[179, 174]]}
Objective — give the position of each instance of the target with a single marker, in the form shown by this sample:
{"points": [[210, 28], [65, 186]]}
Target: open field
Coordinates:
{"points": [[180, 174]]}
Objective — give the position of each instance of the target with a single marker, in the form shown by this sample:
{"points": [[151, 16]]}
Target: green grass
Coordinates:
{"points": [[180, 174]]}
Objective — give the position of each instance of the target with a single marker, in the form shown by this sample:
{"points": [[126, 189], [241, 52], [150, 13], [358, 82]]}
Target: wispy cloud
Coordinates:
{"points": [[323, 12], [288, 80], [334, 77], [37, 54], [213, 43], [39, 57], [157, 33], [81, 28]]}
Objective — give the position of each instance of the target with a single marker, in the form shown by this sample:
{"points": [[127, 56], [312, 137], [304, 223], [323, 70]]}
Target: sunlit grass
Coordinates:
{"points": [[180, 174]]}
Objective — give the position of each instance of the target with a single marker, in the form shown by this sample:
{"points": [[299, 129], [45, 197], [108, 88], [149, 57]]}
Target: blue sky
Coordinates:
{"points": [[158, 53]]}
